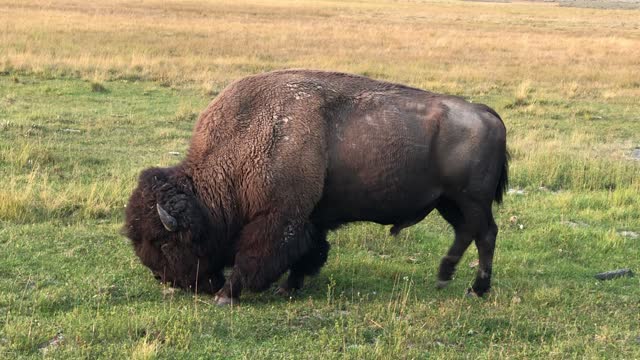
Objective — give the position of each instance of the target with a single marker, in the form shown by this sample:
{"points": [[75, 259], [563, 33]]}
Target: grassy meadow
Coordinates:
{"points": [[91, 93]]}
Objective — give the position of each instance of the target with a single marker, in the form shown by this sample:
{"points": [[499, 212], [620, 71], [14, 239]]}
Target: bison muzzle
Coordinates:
{"points": [[279, 159]]}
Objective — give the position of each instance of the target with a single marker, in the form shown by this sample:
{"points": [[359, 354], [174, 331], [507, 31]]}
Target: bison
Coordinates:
{"points": [[279, 159]]}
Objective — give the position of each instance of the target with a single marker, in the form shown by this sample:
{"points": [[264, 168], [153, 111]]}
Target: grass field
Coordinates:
{"points": [[90, 94]]}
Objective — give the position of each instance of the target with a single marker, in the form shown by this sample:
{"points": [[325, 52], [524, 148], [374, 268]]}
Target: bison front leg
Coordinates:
{"points": [[263, 253], [309, 264]]}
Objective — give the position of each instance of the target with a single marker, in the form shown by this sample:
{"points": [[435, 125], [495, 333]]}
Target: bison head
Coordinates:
{"points": [[170, 230]]}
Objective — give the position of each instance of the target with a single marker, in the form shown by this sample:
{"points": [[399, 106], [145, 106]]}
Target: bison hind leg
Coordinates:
{"points": [[485, 242], [471, 220]]}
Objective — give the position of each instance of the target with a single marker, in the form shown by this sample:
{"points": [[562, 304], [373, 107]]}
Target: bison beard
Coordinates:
{"points": [[279, 159]]}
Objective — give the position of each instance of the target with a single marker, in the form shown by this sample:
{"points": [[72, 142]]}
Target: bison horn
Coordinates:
{"points": [[170, 223]]}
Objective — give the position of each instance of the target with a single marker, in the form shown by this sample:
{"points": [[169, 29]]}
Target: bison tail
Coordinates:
{"points": [[503, 182]]}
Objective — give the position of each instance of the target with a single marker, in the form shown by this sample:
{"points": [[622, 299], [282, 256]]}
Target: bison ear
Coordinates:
{"points": [[170, 223]]}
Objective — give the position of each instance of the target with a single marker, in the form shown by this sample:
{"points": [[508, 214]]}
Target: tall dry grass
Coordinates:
{"points": [[427, 44]]}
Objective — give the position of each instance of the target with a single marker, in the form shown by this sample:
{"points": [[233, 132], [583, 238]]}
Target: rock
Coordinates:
{"points": [[53, 343], [515, 192], [575, 224], [635, 154], [513, 221], [614, 274], [412, 259], [515, 300], [629, 234], [174, 153]]}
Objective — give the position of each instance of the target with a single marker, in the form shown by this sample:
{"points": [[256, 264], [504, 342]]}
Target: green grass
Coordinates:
{"points": [[65, 268], [72, 145]]}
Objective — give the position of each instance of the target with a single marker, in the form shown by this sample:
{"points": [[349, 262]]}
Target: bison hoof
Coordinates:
{"points": [[441, 284], [224, 301]]}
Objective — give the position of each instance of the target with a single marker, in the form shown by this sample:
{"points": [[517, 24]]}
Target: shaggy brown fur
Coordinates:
{"points": [[279, 159]]}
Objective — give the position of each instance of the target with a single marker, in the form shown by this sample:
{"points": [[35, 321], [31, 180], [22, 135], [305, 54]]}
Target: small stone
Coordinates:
{"points": [[515, 192], [614, 274], [175, 153], [412, 259], [629, 234], [575, 224], [56, 341]]}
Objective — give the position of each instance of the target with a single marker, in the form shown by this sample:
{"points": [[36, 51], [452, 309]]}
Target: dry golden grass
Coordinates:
{"points": [[448, 45], [145, 350]]}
